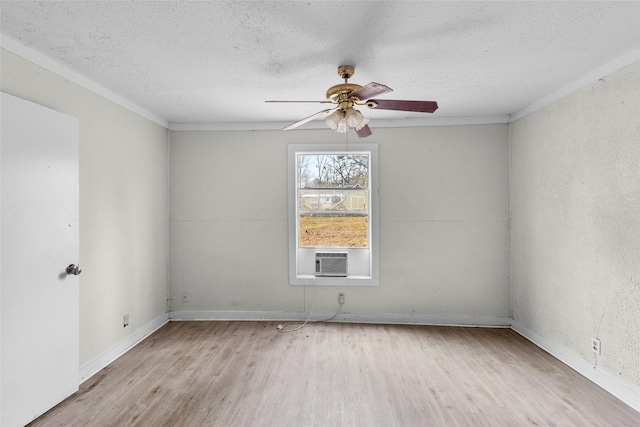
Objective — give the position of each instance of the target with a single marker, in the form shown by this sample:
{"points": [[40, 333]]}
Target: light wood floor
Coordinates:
{"points": [[335, 374]]}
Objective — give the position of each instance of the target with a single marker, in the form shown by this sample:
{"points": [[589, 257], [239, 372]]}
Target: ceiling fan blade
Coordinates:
{"points": [[305, 120], [364, 132], [369, 90], [315, 102], [394, 104]]}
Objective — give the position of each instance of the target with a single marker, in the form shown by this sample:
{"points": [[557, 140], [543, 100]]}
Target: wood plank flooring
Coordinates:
{"points": [[337, 374]]}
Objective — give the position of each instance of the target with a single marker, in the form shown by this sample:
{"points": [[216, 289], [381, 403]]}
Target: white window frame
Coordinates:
{"points": [[358, 255]]}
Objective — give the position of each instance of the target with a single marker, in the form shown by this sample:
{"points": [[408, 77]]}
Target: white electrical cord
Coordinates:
{"points": [[282, 326]]}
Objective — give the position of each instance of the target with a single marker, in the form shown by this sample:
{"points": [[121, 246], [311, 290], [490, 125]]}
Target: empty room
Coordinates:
{"points": [[320, 213]]}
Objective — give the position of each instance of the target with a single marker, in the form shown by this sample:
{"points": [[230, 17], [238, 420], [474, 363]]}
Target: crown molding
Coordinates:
{"points": [[319, 124], [599, 73], [12, 45]]}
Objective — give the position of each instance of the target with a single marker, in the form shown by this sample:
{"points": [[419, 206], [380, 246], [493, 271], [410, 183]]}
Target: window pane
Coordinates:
{"points": [[335, 200], [342, 231], [333, 171]]}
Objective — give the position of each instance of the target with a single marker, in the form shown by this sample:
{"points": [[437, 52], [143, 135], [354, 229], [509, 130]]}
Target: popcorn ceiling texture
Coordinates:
{"points": [[218, 61], [575, 242]]}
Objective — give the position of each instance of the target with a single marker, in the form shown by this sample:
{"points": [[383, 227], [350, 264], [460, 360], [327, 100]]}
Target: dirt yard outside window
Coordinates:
{"points": [[342, 231]]}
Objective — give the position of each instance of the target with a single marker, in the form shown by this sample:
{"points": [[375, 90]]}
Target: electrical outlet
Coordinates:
{"points": [[595, 345], [125, 320], [185, 297], [340, 298]]}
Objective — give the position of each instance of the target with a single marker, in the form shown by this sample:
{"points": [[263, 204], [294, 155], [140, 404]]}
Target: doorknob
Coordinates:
{"points": [[73, 270]]}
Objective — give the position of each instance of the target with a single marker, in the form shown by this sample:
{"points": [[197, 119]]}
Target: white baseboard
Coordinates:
{"points": [[404, 319], [100, 362], [602, 379]]}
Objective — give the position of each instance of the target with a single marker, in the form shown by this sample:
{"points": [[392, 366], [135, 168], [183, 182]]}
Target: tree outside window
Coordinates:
{"points": [[332, 200]]}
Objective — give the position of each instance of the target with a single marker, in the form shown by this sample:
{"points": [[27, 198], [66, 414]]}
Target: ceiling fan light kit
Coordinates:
{"points": [[344, 96], [342, 120]]}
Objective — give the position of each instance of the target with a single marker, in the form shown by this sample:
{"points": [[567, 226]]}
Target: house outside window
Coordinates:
{"points": [[333, 225]]}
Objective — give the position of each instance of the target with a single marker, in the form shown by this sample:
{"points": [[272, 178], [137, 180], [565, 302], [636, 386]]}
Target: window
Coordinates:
{"points": [[333, 214]]}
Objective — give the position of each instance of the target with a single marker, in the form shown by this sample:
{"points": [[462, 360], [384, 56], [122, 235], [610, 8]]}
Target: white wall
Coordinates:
{"points": [[575, 240], [123, 206], [444, 215], [444, 220]]}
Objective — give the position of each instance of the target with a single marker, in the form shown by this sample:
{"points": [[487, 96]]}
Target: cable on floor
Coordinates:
{"points": [[282, 327]]}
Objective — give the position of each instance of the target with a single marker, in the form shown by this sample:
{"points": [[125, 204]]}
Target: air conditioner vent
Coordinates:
{"points": [[332, 264]]}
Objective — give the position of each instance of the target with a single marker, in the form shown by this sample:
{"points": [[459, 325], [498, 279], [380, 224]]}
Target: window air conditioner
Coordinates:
{"points": [[333, 264]]}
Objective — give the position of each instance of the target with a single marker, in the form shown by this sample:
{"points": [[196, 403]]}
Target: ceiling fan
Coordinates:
{"points": [[345, 96]]}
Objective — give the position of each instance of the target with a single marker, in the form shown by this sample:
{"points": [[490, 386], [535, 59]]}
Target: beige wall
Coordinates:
{"points": [[575, 240], [444, 215], [123, 206]]}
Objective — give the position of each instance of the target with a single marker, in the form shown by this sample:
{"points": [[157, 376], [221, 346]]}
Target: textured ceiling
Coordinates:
{"points": [[217, 62]]}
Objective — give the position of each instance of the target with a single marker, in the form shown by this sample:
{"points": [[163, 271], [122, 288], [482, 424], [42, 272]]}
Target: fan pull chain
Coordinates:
{"points": [[347, 137]]}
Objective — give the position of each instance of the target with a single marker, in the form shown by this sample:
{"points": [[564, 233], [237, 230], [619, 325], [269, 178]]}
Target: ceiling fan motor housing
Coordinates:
{"points": [[338, 92]]}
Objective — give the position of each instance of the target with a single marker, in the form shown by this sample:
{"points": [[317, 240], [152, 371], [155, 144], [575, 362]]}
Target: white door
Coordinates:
{"points": [[39, 229]]}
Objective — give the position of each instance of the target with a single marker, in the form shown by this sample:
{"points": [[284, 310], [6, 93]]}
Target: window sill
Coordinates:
{"points": [[309, 280]]}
